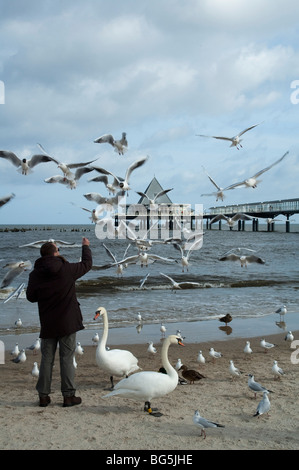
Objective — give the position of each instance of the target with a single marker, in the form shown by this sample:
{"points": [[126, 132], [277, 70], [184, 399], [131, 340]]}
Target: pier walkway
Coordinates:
{"points": [[267, 210]]}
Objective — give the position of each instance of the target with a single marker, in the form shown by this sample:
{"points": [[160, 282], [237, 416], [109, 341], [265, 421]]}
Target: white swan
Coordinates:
{"points": [[147, 385], [117, 362]]}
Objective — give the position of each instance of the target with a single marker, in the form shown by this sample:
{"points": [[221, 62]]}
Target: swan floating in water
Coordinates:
{"points": [[118, 362], [147, 385]]}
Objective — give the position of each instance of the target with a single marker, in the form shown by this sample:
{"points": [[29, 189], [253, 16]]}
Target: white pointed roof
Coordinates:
{"points": [[152, 190]]}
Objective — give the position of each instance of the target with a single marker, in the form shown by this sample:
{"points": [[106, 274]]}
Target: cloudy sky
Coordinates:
{"points": [[162, 71]]}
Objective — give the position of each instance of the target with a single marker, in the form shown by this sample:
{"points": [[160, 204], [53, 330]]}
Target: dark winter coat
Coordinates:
{"points": [[52, 285]]}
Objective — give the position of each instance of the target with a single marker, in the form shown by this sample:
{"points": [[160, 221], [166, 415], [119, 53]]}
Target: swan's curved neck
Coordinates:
{"points": [[102, 343], [165, 361]]}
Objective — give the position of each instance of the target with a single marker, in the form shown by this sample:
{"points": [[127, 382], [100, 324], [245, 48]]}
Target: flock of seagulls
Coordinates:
{"points": [[134, 383]]}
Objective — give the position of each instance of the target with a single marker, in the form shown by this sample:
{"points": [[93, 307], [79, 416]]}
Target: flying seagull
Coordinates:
{"points": [[123, 184], [243, 259], [231, 220], [220, 191], [69, 182], [252, 181], [5, 199], [24, 165], [120, 146], [67, 167], [235, 141], [159, 194]]}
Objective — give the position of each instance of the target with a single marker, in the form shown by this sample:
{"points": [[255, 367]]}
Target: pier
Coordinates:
{"points": [[267, 210]]}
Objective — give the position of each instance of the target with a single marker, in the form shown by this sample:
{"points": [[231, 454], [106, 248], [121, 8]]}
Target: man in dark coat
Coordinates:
{"points": [[52, 285]]}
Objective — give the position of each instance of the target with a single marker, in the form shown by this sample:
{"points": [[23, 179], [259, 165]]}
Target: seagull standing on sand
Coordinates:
{"points": [[203, 423], [264, 405], [24, 165], [289, 336], [247, 349], [35, 346], [95, 339], [214, 354], [234, 371], [277, 371], [18, 322], [255, 386], [163, 329], [79, 350], [151, 348], [15, 352], [178, 364], [120, 146], [21, 357], [264, 344], [235, 141], [200, 358], [35, 370]]}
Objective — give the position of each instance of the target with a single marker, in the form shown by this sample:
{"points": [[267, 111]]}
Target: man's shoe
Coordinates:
{"points": [[71, 401], [44, 400]]}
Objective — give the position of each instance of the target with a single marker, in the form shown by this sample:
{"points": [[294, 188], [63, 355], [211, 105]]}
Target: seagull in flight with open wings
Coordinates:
{"points": [[124, 184], [235, 141], [220, 191], [253, 181], [120, 146]]}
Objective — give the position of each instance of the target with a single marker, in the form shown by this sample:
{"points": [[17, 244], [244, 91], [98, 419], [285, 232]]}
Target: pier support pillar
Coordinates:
{"points": [[288, 224]]}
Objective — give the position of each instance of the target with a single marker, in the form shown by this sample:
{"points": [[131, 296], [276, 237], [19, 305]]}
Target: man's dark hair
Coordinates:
{"points": [[48, 249]]}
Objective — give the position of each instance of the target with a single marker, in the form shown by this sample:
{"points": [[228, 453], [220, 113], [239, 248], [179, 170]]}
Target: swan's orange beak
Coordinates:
{"points": [[180, 343], [97, 314]]}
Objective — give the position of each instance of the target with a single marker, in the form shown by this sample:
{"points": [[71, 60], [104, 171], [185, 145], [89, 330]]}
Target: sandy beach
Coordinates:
{"points": [[121, 424]]}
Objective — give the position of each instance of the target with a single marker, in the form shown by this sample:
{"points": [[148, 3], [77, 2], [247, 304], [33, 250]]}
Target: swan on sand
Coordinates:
{"points": [[117, 362], [147, 385]]}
